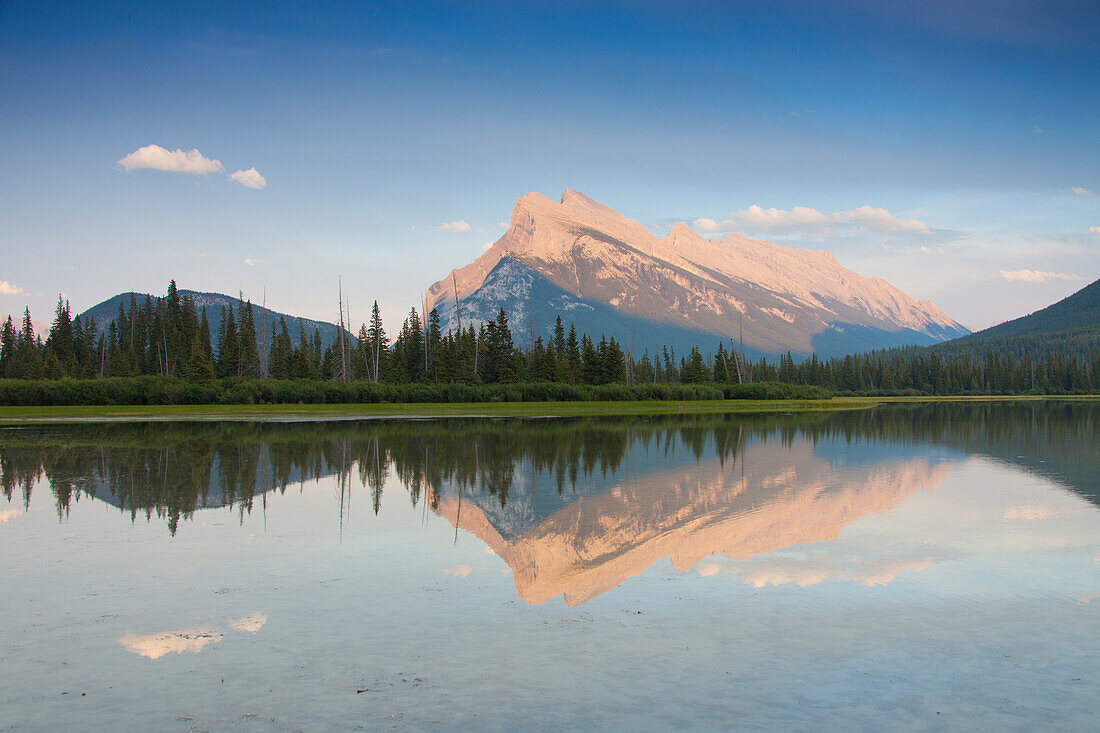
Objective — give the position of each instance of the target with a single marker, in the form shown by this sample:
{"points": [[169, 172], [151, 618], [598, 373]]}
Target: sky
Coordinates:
{"points": [[276, 149]]}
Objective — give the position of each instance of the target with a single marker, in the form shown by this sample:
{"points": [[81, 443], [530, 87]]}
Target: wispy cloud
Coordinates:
{"points": [[502, 225], [1094, 230], [454, 226], [154, 157], [250, 178], [880, 220], [155, 646], [817, 568], [249, 624], [7, 288], [488, 246], [807, 220], [1034, 276], [253, 261], [1080, 191], [459, 570], [1038, 130]]}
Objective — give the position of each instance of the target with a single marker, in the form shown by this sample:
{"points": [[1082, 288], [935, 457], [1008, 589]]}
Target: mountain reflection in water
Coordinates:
{"points": [[574, 507]]}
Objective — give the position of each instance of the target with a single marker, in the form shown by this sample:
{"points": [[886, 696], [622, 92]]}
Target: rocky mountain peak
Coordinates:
{"points": [[593, 256]]}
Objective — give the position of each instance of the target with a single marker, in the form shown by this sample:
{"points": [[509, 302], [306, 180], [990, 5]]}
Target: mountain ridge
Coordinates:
{"points": [[786, 298], [1069, 327], [105, 312]]}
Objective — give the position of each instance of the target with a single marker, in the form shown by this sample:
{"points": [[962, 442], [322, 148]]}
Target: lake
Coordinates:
{"points": [[929, 566]]}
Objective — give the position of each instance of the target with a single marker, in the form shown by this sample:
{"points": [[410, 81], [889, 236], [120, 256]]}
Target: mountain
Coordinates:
{"points": [[1069, 327], [212, 304], [586, 262]]}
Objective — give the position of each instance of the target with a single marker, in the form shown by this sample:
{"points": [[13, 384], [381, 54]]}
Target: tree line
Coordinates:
{"points": [[171, 337]]}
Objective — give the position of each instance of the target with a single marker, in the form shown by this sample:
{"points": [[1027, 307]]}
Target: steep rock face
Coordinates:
{"points": [[700, 290]]}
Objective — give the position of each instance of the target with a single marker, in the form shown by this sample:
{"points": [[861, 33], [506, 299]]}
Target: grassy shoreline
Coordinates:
{"points": [[140, 413]]}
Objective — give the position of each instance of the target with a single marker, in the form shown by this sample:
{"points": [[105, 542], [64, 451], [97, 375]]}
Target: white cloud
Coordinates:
{"points": [[1079, 191], [7, 288], [253, 261], [880, 220], [250, 178], [458, 570], [806, 220], [156, 158], [1034, 276], [798, 219], [1038, 130], [1094, 230], [155, 646], [249, 624], [488, 246], [454, 226], [502, 225]]}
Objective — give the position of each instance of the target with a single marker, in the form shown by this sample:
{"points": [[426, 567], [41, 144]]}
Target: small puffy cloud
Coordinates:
{"points": [[807, 220], [502, 225], [7, 288], [1034, 276], [1094, 230], [1038, 130], [156, 158], [253, 261], [250, 178], [881, 220], [488, 246], [1079, 191], [798, 219], [6, 515], [460, 571], [454, 226]]}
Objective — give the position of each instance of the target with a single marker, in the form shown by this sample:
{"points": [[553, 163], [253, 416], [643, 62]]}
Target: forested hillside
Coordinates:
{"points": [[1070, 327], [212, 305]]}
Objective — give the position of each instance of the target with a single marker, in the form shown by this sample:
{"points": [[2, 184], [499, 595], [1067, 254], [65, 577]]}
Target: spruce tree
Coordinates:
{"points": [[7, 348]]}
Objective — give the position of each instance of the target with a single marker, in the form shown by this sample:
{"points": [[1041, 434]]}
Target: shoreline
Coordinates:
{"points": [[14, 416]]}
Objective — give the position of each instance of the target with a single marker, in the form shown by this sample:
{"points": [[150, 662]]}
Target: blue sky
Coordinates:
{"points": [[372, 125]]}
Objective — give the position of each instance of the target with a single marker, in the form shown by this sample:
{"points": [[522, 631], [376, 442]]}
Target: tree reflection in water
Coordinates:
{"points": [[171, 470]]}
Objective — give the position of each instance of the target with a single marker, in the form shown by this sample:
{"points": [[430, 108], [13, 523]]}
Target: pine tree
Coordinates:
{"points": [[377, 343], [572, 360], [7, 348], [199, 367], [228, 349], [249, 348]]}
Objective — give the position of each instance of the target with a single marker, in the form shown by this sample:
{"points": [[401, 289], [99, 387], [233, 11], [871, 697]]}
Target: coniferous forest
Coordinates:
{"points": [[163, 350]]}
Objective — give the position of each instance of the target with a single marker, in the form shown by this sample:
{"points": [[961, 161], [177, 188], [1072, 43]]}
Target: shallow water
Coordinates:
{"points": [[909, 567]]}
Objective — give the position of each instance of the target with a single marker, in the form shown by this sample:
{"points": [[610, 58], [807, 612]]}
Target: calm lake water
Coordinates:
{"points": [[911, 567]]}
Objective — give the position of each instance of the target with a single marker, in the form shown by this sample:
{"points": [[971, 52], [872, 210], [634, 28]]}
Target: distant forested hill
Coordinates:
{"points": [[212, 304], [1070, 328]]}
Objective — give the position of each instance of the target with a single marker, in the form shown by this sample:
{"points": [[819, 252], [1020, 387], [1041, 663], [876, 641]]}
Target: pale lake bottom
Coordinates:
{"points": [[923, 567]]}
